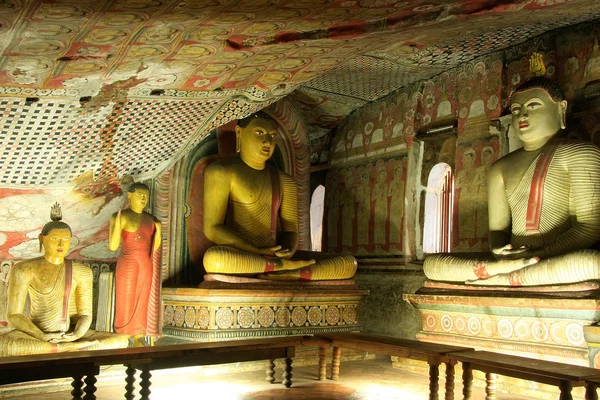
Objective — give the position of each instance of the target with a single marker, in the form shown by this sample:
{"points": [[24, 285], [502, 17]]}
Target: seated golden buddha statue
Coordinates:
{"points": [[251, 214], [60, 301], [544, 203]]}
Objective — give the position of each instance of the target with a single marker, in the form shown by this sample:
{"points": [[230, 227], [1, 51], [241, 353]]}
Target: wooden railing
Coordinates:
{"points": [[86, 364]]}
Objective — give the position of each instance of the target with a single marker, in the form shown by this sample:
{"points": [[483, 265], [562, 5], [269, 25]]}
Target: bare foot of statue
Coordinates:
{"points": [[73, 346], [506, 266], [287, 265], [496, 280]]}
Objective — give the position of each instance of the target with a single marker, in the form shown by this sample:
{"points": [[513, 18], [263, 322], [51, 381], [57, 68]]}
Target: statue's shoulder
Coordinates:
{"points": [[579, 146], [283, 175], [81, 270], [506, 161], [26, 265], [224, 167]]}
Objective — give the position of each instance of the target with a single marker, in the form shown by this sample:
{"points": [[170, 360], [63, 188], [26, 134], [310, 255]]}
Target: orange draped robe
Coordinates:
{"points": [[137, 281]]}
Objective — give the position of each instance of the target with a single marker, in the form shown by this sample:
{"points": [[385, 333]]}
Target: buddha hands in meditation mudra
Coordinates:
{"points": [[543, 202], [60, 297], [246, 202]]}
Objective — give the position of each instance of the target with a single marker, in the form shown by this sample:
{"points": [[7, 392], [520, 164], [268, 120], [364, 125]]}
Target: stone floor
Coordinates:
{"points": [[359, 380]]}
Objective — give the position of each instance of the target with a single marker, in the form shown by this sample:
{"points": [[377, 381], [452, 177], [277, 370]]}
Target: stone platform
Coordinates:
{"points": [[222, 311], [538, 324]]}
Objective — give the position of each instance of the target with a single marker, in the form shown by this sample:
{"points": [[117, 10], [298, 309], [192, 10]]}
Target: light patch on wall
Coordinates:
{"points": [[444, 109], [25, 212], [99, 251]]}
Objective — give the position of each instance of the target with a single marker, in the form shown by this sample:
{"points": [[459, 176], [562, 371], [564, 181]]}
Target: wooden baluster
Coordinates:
{"points": [[449, 395], [590, 391], [90, 387], [270, 371], [322, 363], [77, 385], [565, 390], [145, 383], [434, 379], [287, 373], [490, 386], [335, 363], [467, 381], [129, 380]]}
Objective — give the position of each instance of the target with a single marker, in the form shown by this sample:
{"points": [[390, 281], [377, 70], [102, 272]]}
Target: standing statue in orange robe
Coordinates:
{"points": [[137, 278]]}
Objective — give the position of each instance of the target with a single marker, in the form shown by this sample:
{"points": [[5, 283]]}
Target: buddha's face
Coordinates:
{"points": [[138, 200], [536, 117], [258, 139], [468, 160], [56, 243], [487, 158]]}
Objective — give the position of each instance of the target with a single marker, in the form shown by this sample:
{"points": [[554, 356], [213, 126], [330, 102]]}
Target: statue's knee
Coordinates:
{"points": [[212, 260]]}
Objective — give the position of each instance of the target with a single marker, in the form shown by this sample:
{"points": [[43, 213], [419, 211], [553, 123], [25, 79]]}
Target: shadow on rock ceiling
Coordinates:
{"points": [[128, 86]]}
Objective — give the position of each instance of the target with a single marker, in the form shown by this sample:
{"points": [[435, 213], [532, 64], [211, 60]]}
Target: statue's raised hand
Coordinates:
{"points": [[536, 65]]}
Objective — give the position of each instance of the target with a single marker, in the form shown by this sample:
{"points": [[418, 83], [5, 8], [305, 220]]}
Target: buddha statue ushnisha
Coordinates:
{"points": [[60, 300], [543, 202], [251, 214]]}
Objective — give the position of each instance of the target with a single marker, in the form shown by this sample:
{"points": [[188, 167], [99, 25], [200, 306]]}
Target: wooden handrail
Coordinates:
{"points": [[146, 359]]}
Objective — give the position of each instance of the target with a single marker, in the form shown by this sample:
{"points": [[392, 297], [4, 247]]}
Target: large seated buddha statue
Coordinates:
{"points": [[544, 203], [251, 214], [60, 301]]}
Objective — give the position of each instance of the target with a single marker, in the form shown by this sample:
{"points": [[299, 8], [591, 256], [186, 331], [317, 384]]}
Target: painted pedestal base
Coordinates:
{"points": [[244, 311], [527, 324]]}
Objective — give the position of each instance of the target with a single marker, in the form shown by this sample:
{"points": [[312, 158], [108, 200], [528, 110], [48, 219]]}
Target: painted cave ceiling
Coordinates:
{"points": [[113, 87]]}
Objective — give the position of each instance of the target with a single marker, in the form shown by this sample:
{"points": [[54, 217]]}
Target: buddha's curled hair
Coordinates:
{"points": [[137, 186], [56, 223], [244, 122], [540, 82]]}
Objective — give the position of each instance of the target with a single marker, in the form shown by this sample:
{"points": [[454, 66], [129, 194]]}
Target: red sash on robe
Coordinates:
{"points": [[536, 193]]}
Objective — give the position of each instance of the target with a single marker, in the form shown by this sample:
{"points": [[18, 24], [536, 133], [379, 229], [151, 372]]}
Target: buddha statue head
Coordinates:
{"points": [[538, 109], [138, 195], [55, 237], [256, 138]]}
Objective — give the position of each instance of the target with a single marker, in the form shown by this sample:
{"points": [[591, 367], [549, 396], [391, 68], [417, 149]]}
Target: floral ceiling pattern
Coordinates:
{"points": [[125, 87]]}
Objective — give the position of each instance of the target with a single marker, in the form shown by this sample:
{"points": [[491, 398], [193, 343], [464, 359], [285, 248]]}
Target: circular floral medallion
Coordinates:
{"points": [[224, 318], [574, 333], [460, 324], [179, 316], [169, 313], [282, 316], [266, 316], [522, 329], [190, 317], [203, 317], [505, 328], [332, 315], [245, 317], [489, 327], [557, 333], [314, 316], [430, 322], [349, 314], [446, 322], [299, 316], [474, 326], [539, 330]]}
